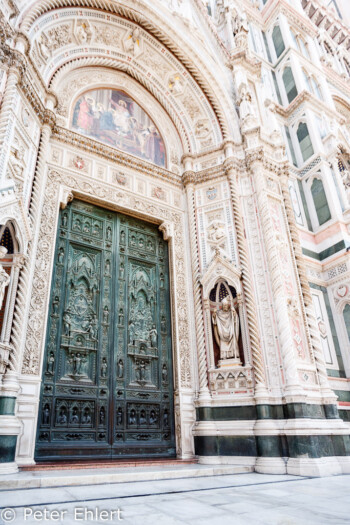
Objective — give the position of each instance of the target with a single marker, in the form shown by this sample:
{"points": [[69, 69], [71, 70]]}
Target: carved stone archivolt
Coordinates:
{"points": [[40, 291]]}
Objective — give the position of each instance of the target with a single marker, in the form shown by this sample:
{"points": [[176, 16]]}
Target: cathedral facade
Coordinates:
{"points": [[175, 232]]}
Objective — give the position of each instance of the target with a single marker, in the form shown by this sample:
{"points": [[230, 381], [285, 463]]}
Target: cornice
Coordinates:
{"points": [[107, 152], [304, 97]]}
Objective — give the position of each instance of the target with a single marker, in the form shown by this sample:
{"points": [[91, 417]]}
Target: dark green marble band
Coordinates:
{"points": [[7, 406], [251, 412], [273, 446], [7, 448]]}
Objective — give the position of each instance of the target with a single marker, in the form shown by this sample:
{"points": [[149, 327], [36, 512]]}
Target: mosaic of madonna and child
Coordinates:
{"points": [[114, 118]]}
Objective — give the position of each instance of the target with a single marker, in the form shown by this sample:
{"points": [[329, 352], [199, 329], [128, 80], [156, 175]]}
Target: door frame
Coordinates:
{"points": [[61, 187]]}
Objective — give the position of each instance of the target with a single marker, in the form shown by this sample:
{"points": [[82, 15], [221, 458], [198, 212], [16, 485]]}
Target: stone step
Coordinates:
{"points": [[98, 464], [76, 477]]}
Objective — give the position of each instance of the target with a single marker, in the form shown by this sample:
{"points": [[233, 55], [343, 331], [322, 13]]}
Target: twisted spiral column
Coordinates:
{"points": [[307, 305], [197, 292], [292, 382], [255, 342], [6, 114], [23, 297]]}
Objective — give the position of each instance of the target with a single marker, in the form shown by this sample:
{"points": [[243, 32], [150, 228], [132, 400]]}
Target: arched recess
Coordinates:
{"points": [[220, 270], [72, 83], [197, 96], [10, 264], [238, 376]]}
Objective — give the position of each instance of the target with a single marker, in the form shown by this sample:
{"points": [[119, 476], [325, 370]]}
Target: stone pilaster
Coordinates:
{"points": [[16, 333], [198, 306], [292, 382]]}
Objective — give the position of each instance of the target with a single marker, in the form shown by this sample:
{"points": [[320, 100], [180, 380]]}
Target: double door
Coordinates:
{"points": [[107, 387]]}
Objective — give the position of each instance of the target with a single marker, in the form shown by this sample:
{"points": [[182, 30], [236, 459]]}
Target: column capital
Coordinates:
{"points": [[49, 118], [188, 178]]}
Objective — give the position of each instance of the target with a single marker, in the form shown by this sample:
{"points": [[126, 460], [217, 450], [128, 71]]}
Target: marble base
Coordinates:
{"points": [[247, 461], [227, 363], [8, 468], [270, 466], [316, 467]]}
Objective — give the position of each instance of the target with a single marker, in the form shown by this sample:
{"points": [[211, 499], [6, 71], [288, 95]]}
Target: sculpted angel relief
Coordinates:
{"points": [[114, 118]]}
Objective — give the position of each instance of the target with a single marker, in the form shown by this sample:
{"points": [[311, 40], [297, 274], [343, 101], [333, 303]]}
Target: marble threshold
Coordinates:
{"points": [[90, 476]]}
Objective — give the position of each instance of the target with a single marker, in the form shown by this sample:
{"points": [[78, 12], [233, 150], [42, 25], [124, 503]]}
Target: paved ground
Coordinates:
{"points": [[218, 500]]}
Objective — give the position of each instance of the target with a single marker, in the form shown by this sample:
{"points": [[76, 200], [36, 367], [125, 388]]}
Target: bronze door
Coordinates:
{"points": [[107, 387]]}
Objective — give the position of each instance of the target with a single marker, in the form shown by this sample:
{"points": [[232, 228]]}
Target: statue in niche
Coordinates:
{"points": [[77, 225], [92, 327], [131, 332], [153, 418], [120, 369], [121, 271], [141, 371], [143, 420], [77, 362], [166, 418], [122, 237], [50, 364], [119, 416], [153, 336], [46, 415], [108, 267], [55, 304], [109, 234], [226, 330], [102, 416], [240, 23], [61, 255], [163, 324], [121, 316], [164, 373], [245, 103], [105, 314], [64, 220], [86, 419], [74, 417], [132, 417], [104, 368], [62, 417], [66, 323]]}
